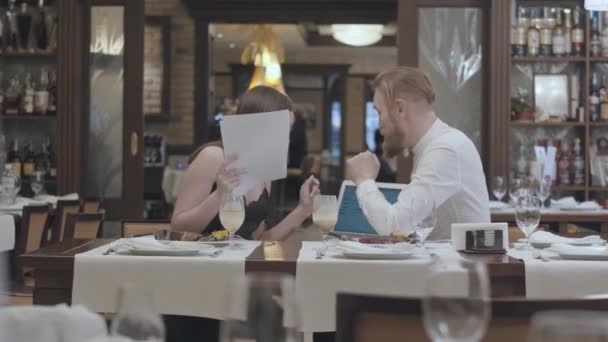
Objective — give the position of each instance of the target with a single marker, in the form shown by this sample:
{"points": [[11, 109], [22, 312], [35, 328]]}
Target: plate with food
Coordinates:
{"points": [[218, 238]]}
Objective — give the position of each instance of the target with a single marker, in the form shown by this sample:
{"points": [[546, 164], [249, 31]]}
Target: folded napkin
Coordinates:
{"points": [[53, 199], [497, 205], [563, 248], [546, 237], [50, 324], [357, 247], [564, 202], [592, 205], [150, 243]]}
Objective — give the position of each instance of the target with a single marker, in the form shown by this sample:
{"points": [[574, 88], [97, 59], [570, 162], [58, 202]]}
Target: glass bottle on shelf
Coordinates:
{"points": [[29, 161], [522, 163], [14, 159], [42, 40], [559, 36], [1, 98], [578, 33], [604, 99], [24, 25], [2, 39], [564, 164], [519, 48], [12, 98], [579, 163], [604, 34], [596, 42], [52, 109], [568, 31], [533, 35], [42, 161], [52, 159], [28, 96], [546, 34], [594, 97], [11, 27], [41, 95]]}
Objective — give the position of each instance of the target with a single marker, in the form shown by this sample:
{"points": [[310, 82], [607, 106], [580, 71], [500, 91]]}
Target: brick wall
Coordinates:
{"points": [[179, 131]]}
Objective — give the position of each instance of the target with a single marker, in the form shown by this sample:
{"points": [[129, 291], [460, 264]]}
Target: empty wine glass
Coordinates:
{"points": [[499, 187], [544, 189], [425, 227], [325, 215], [456, 305], [232, 215], [135, 316], [516, 189], [527, 215], [37, 183], [261, 307]]}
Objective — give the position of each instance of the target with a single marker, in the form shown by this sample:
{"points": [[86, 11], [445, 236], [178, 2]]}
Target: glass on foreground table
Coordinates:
{"points": [[232, 215], [527, 215], [325, 215]]}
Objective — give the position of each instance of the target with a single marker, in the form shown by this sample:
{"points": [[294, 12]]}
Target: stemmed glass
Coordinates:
{"points": [[232, 215], [515, 190], [456, 306], [544, 189], [261, 307], [37, 183], [136, 317], [527, 215], [499, 187], [325, 215]]}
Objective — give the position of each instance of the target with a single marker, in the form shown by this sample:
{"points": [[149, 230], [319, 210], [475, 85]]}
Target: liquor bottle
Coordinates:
{"points": [[578, 34], [2, 39], [604, 99], [42, 160], [52, 160], [564, 164], [14, 159], [41, 95], [594, 98], [29, 161], [12, 98], [24, 25], [52, 109], [533, 35], [519, 46], [568, 31], [1, 101], [28, 96], [546, 34], [40, 31], [596, 42], [574, 97], [11, 27], [579, 163], [604, 34], [559, 36]]}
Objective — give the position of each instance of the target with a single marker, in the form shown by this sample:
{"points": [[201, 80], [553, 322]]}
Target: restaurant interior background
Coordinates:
{"points": [[124, 112]]}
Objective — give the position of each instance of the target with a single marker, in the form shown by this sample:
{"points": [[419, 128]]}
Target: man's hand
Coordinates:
{"points": [[362, 167]]}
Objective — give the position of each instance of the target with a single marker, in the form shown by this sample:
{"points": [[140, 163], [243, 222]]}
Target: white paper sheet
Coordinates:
{"points": [[261, 142]]}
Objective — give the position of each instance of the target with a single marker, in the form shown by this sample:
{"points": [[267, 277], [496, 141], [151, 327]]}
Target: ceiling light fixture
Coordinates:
{"points": [[357, 34], [596, 5]]}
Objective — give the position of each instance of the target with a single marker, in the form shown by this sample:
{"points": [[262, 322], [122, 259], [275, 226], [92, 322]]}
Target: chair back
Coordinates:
{"points": [[372, 318], [83, 226], [91, 206], [137, 228], [64, 207], [34, 222]]}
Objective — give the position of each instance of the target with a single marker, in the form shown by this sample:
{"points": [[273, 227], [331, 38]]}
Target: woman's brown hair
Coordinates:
{"points": [[259, 99]]}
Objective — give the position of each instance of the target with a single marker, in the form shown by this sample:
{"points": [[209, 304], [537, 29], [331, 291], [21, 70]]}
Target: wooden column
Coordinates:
{"points": [[69, 95], [498, 137]]}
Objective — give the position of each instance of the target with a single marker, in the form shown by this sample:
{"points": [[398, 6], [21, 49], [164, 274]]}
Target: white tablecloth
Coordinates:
{"points": [[7, 233], [171, 180], [318, 281], [190, 286], [21, 202], [562, 278]]}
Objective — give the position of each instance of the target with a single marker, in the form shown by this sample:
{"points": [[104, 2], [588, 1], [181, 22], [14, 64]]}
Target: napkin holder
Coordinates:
{"points": [[483, 237]]}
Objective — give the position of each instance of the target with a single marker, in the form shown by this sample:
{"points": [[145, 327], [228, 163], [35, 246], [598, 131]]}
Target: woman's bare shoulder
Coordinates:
{"points": [[210, 154]]}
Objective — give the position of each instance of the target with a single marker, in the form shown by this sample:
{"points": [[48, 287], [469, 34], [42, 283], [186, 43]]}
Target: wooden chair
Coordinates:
{"points": [[372, 318], [91, 206], [137, 228], [34, 222], [83, 226], [64, 207]]}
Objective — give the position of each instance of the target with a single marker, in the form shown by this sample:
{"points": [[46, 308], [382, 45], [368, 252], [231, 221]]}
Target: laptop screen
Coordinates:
{"points": [[350, 216]]}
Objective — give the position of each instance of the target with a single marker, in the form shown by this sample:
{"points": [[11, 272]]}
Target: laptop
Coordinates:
{"points": [[351, 219]]}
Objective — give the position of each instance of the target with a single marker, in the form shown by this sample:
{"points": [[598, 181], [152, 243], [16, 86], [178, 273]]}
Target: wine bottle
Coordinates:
{"points": [[52, 160], [29, 161], [24, 25], [28, 96], [11, 26], [14, 159], [41, 95], [42, 39]]}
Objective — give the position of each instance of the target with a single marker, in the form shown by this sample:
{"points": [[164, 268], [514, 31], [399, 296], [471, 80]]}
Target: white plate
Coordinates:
{"points": [[377, 256], [578, 209], [164, 252], [548, 244], [217, 244], [584, 256]]}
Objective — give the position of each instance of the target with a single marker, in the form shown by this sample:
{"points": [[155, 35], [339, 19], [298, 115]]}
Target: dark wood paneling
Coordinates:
{"points": [[164, 23], [70, 63], [201, 81], [497, 137]]}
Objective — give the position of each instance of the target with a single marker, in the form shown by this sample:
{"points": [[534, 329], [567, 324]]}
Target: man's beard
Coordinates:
{"points": [[392, 145]]}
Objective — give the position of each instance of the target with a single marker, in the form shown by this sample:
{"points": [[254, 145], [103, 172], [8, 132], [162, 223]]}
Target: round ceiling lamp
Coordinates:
{"points": [[357, 34], [596, 5]]}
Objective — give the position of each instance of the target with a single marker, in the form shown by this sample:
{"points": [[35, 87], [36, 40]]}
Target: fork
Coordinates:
{"points": [[320, 253]]}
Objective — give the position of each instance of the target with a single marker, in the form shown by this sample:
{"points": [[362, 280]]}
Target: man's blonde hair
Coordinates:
{"points": [[404, 81]]}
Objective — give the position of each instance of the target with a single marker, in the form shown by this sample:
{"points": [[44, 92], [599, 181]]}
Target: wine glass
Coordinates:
{"points": [[499, 187], [568, 325], [232, 214], [516, 189], [544, 189], [456, 305], [527, 215], [325, 215], [37, 183], [261, 307], [135, 316], [425, 227]]}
